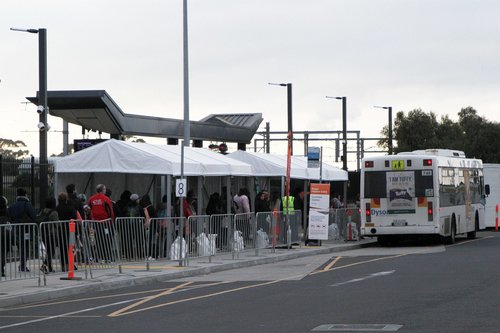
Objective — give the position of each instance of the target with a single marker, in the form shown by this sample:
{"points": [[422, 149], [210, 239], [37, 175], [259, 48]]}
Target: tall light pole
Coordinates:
{"points": [[344, 141], [289, 107], [344, 130], [290, 146], [42, 109], [389, 143], [187, 130]]}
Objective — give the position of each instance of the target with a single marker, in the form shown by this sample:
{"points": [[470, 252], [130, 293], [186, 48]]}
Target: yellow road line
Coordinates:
{"points": [[79, 300], [357, 263], [100, 297], [390, 257], [147, 299], [333, 262], [123, 313]]}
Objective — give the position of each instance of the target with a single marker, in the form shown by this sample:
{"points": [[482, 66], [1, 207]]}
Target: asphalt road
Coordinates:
{"points": [[410, 287]]}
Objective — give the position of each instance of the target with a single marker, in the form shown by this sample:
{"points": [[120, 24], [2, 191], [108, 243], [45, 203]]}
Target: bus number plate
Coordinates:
{"points": [[399, 223]]}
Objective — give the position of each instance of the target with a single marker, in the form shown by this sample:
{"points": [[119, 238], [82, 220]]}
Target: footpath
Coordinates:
{"points": [[20, 292]]}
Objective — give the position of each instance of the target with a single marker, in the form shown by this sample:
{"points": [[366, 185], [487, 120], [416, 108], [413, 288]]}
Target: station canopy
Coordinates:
{"points": [[96, 110]]}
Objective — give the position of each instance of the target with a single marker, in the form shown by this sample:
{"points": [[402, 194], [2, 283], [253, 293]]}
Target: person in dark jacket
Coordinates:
{"points": [[262, 202], [121, 206], [22, 212], [67, 211], [4, 233], [47, 231], [149, 212], [73, 198], [214, 205]]}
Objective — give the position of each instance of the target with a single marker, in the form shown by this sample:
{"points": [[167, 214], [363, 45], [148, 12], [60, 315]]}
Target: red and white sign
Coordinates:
{"points": [[319, 211]]}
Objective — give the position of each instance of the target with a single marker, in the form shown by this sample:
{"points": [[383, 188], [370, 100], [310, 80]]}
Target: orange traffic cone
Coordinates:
{"points": [[71, 258]]}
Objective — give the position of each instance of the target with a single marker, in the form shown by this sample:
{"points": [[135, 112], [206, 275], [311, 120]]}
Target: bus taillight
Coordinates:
{"points": [[430, 211], [368, 213]]}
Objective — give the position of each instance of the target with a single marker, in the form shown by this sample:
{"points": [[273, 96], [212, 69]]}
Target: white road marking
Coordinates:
{"points": [[363, 278]]}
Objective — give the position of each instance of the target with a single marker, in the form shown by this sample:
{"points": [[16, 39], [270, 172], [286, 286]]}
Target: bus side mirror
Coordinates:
{"points": [[487, 189]]}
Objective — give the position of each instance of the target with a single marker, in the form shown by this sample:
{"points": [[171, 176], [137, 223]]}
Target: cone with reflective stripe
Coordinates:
{"points": [[71, 258]]}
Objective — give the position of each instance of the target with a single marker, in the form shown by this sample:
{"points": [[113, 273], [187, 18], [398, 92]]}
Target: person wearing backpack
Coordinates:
{"points": [[22, 212], [67, 212], [48, 214], [130, 237], [133, 208], [149, 212]]}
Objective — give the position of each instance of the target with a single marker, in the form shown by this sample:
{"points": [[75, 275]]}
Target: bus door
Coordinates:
{"points": [[469, 220]]}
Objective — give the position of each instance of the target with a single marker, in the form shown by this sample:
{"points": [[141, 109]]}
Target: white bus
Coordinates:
{"points": [[433, 192]]}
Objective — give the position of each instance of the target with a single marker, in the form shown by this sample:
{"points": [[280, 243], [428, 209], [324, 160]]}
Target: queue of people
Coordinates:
{"points": [[71, 205]]}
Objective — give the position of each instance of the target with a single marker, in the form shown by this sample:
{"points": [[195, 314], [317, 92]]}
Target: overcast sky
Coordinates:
{"points": [[437, 55]]}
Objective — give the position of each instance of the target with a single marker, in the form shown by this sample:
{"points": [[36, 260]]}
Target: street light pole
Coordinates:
{"points": [[289, 108], [344, 141], [43, 109], [344, 130], [389, 136], [187, 129], [290, 148]]}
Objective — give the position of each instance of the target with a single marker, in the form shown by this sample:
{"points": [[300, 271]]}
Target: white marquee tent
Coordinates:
{"points": [[115, 156], [272, 165], [135, 166], [138, 167]]}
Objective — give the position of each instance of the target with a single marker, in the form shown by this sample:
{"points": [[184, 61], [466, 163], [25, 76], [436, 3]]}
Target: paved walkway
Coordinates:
{"points": [[18, 292]]}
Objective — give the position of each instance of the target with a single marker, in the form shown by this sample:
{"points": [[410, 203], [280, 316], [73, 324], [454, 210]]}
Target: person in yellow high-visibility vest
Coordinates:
{"points": [[290, 208]]}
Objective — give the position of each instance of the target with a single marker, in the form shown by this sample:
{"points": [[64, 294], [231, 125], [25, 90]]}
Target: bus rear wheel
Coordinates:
{"points": [[451, 239], [472, 234]]}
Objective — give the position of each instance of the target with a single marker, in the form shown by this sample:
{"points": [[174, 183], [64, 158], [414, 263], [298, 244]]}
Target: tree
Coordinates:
{"points": [[416, 131], [450, 134], [473, 134], [71, 150], [13, 149]]}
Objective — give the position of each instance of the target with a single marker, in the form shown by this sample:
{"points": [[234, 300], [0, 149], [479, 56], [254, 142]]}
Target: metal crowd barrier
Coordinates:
{"points": [[19, 253], [54, 241], [131, 238], [281, 229], [102, 245], [220, 229], [344, 224], [197, 233]]}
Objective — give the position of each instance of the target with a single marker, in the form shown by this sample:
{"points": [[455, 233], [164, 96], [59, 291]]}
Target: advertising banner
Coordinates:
{"points": [[401, 192]]}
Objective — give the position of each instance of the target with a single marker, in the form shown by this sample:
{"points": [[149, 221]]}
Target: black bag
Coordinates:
{"points": [[43, 217]]}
